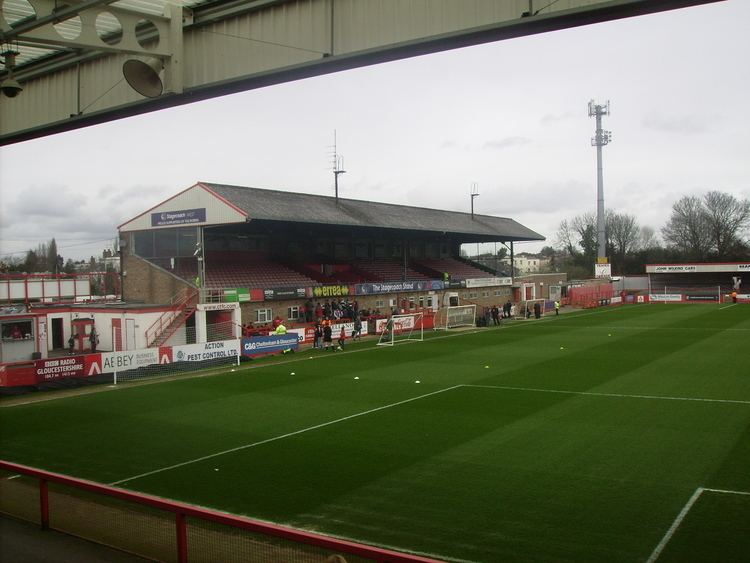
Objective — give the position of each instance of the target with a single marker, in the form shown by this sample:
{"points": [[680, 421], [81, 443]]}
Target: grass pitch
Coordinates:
{"points": [[582, 437]]}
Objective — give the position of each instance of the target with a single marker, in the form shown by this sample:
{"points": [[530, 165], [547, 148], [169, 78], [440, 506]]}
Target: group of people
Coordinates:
{"points": [[93, 341], [333, 309], [496, 314], [323, 333]]}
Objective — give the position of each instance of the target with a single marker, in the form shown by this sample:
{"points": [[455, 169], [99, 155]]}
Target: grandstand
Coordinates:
{"points": [[273, 251]]}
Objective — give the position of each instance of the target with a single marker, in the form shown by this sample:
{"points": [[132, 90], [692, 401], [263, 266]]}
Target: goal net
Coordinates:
{"points": [[452, 317], [528, 309], [401, 328]]}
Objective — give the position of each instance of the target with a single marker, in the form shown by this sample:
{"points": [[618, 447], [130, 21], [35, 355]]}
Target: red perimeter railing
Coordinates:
{"points": [[323, 546]]}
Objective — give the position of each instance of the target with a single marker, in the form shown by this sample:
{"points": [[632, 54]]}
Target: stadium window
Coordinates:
{"points": [[498, 293], [293, 313], [379, 303], [143, 244], [16, 330], [360, 250], [340, 250], [421, 302], [472, 295], [263, 315], [165, 243], [485, 294], [429, 301]]}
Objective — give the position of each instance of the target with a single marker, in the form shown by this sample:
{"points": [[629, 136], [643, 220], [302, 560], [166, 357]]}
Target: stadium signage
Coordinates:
{"points": [[119, 361], [181, 217], [487, 282], [259, 345], [206, 351], [665, 297], [283, 293], [702, 297], [394, 287], [696, 268], [330, 291], [60, 367], [217, 306]]}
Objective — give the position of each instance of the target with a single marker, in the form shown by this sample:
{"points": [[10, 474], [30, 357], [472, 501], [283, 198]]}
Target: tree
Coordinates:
{"points": [[623, 233], [726, 217], [647, 238], [687, 229], [51, 257], [70, 267]]}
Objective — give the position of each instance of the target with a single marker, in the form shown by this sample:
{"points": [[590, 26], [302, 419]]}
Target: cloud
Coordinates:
{"points": [[685, 124], [551, 119], [506, 142], [47, 201]]}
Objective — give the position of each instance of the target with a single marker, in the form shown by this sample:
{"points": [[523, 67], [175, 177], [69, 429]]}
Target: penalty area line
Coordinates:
{"points": [[280, 437], [683, 514]]}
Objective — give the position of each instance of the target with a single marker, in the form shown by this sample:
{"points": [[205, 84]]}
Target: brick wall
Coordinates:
{"points": [[148, 283]]}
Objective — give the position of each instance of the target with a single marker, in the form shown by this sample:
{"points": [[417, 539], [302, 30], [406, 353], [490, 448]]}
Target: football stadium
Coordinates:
{"points": [[615, 433], [277, 376]]}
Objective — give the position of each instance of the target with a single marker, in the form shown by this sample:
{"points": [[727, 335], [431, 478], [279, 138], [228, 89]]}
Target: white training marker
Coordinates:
{"points": [[356, 377], [216, 468], [292, 373], [486, 367], [562, 347], [417, 381]]}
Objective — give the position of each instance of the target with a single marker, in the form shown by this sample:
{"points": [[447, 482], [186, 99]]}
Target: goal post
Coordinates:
{"points": [[527, 309], [402, 328], [456, 316]]}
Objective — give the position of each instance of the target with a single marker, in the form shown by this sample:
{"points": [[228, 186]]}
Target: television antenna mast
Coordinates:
{"points": [[474, 192], [600, 139], [338, 167]]}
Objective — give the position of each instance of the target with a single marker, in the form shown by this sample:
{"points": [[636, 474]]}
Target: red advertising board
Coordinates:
{"points": [[68, 366]]}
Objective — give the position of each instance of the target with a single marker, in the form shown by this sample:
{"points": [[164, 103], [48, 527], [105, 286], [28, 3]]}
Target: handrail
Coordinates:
{"points": [[181, 510], [179, 302]]}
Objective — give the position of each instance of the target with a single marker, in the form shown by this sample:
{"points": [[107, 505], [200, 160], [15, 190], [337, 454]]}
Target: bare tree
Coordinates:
{"points": [[622, 233], [566, 238], [687, 229], [647, 238], [726, 219]]}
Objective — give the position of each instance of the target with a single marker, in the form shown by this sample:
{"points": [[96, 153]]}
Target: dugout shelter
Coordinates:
{"points": [[698, 282], [277, 254]]}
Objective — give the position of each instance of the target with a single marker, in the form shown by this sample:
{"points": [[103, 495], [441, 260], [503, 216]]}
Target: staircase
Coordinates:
{"points": [[183, 306]]}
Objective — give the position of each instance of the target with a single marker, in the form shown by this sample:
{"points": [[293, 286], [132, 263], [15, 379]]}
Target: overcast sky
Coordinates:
{"points": [[511, 116]]}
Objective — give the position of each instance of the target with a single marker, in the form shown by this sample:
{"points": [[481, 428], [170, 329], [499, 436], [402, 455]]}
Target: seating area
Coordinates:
{"points": [[256, 270], [263, 274], [389, 270], [456, 268]]}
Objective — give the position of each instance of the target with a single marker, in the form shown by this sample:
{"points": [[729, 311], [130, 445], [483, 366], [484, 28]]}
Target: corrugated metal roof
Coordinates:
{"points": [[20, 11], [273, 205]]}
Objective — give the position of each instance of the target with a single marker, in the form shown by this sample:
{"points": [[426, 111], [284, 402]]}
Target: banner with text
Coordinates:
{"points": [[396, 287], [260, 345], [206, 351]]}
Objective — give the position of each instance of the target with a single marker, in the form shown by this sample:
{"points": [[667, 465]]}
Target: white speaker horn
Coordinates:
{"points": [[143, 76]]}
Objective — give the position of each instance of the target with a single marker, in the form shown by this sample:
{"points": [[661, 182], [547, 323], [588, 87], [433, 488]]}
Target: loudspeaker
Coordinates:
{"points": [[143, 76]]}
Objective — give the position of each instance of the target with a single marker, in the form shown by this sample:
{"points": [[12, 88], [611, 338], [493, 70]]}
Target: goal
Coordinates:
{"points": [[525, 309], [401, 328], [452, 317]]}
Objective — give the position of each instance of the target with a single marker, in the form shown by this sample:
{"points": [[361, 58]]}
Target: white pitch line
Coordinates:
{"points": [[727, 491], [676, 524], [727, 306], [683, 513], [616, 395], [281, 437]]}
